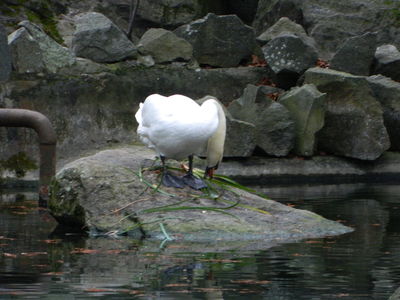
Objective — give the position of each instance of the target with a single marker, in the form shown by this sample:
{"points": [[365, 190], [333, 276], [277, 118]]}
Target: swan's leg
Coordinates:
{"points": [[192, 181], [168, 179]]}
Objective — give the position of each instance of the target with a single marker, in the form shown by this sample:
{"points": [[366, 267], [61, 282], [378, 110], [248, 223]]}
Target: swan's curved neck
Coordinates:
{"points": [[215, 147]]}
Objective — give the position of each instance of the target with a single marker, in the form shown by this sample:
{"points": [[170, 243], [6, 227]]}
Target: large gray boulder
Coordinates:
{"points": [[354, 124], [288, 56], [307, 107], [387, 61], [107, 194], [355, 55], [5, 56], [387, 92], [164, 46], [274, 125], [34, 51], [97, 38], [221, 41]]}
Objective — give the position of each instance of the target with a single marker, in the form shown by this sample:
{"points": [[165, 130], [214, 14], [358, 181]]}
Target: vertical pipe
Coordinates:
{"points": [[47, 143]]}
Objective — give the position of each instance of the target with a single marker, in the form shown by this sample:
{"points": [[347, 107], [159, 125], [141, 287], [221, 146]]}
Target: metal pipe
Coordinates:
{"points": [[14, 117]]}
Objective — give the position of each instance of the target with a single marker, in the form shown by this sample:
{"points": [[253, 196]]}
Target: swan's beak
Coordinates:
{"points": [[210, 172]]}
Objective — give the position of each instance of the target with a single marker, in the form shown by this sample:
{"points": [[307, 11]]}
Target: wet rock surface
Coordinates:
{"points": [[108, 194]]}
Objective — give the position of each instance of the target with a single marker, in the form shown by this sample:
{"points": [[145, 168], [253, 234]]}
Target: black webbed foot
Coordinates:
{"points": [[170, 180], [194, 182]]}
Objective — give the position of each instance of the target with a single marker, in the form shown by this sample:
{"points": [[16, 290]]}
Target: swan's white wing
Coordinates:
{"points": [[175, 126], [138, 115]]}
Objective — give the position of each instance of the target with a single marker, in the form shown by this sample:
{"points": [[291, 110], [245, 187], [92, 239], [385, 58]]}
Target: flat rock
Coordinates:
{"points": [[108, 193]]}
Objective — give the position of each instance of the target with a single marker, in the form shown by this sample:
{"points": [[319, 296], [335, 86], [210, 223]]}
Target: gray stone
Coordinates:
{"points": [[387, 61], [284, 25], [330, 22], [222, 41], [355, 55], [5, 56], [34, 51], [395, 295], [97, 38], [274, 126], [307, 107], [354, 118], [387, 92], [170, 12], [289, 56], [270, 11], [26, 53], [164, 46], [105, 194], [240, 138]]}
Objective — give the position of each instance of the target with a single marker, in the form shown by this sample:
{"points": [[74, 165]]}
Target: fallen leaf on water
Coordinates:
{"points": [[250, 281], [221, 260], [51, 241], [97, 290], [53, 273], [19, 213], [177, 284], [33, 253], [84, 251], [6, 238], [40, 266], [313, 242], [10, 255]]}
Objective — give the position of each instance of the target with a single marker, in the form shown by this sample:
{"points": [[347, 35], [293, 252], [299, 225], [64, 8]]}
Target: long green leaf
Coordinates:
{"points": [[166, 209]]}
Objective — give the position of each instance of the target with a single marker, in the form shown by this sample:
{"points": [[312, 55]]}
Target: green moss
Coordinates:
{"points": [[19, 163], [394, 10], [39, 12]]}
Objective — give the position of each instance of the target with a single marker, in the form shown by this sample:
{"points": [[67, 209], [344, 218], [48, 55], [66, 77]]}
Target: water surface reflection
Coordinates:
{"points": [[35, 263]]}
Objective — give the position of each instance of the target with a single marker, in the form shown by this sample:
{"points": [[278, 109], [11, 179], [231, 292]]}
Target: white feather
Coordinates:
{"points": [[177, 126]]}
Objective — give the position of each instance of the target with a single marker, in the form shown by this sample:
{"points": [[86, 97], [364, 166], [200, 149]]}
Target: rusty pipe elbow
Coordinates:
{"points": [[47, 139], [13, 117]]}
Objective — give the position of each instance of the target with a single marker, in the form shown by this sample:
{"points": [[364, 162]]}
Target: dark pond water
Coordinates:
{"points": [[36, 263]]}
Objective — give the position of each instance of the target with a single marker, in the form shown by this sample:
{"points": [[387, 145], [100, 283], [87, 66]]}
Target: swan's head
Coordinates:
{"points": [[215, 146]]}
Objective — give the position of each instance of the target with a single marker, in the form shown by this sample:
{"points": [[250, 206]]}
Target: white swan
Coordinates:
{"points": [[177, 127]]}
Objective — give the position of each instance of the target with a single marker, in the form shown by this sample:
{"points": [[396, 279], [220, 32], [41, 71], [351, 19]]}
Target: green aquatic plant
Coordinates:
{"points": [[19, 164], [216, 187]]}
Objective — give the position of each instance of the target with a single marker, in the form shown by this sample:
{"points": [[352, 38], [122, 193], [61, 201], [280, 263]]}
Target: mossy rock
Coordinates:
{"points": [[110, 193]]}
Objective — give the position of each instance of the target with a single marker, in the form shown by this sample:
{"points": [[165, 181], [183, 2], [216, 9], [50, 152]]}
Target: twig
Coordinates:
{"points": [[132, 13]]}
